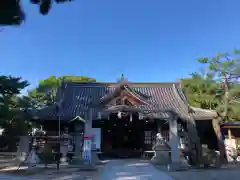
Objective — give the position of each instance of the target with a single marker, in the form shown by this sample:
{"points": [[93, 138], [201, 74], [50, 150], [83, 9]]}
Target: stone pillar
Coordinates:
{"points": [[78, 145], [88, 124], [174, 143], [78, 138], [64, 146], [63, 150], [77, 158], [89, 132]]}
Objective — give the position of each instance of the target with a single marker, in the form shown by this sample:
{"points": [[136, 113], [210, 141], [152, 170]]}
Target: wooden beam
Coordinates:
{"points": [[230, 127]]}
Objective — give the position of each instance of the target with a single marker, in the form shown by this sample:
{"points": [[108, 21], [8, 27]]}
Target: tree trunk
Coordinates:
{"points": [[226, 98], [194, 140], [221, 146]]}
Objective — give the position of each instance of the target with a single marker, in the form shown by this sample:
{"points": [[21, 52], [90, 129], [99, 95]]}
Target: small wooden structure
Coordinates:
{"points": [[231, 133]]}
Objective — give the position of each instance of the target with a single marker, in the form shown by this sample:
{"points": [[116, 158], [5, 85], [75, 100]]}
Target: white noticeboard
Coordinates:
{"points": [[87, 149]]}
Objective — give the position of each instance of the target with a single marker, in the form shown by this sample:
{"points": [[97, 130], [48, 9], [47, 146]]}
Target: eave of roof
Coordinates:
{"points": [[205, 114], [230, 125]]}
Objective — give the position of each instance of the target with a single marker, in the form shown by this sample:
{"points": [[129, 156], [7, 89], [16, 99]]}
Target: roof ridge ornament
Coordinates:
{"points": [[123, 80], [122, 76]]}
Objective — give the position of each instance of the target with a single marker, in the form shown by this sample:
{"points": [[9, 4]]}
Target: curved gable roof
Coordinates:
{"points": [[77, 98]]}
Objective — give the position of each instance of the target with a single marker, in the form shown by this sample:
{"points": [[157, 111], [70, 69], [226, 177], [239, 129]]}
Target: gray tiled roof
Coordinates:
{"points": [[77, 98]]}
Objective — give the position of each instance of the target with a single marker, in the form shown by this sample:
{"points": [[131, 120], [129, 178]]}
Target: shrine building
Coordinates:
{"points": [[125, 116]]}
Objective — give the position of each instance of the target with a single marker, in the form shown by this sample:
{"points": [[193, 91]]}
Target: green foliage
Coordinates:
{"points": [[219, 88], [11, 12], [14, 115], [45, 5], [10, 87], [200, 90], [68, 78], [224, 65], [47, 89]]}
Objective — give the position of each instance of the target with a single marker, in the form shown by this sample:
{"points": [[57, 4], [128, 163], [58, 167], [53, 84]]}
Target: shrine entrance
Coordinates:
{"points": [[125, 137]]}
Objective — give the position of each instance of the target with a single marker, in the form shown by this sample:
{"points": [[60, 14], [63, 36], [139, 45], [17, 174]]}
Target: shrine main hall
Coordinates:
{"points": [[125, 116]]}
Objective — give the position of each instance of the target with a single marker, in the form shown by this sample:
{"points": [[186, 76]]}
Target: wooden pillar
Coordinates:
{"points": [[230, 137], [174, 143]]}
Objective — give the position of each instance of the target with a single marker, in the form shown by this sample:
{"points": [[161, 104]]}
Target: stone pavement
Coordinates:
{"points": [[65, 173], [6, 161], [41, 177], [228, 172], [132, 170], [40, 173], [6, 176]]}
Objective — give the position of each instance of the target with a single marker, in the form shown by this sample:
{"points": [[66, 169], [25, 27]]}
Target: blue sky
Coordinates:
{"points": [[152, 40]]}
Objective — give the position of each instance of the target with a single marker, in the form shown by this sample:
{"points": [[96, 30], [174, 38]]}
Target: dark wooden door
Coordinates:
{"points": [[128, 138], [118, 137], [107, 139]]}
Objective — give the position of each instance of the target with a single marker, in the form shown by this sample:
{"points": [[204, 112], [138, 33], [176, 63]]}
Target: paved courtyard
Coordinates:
{"points": [[43, 177], [127, 169], [6, 176], [132, 170]]}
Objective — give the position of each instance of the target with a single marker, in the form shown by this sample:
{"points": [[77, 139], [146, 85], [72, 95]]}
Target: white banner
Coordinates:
{"points": [[87, 150]]}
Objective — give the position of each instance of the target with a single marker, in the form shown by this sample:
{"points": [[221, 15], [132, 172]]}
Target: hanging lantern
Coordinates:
{"points": [[119, 114], [130, 117], [140, 116], [99, 115]]}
